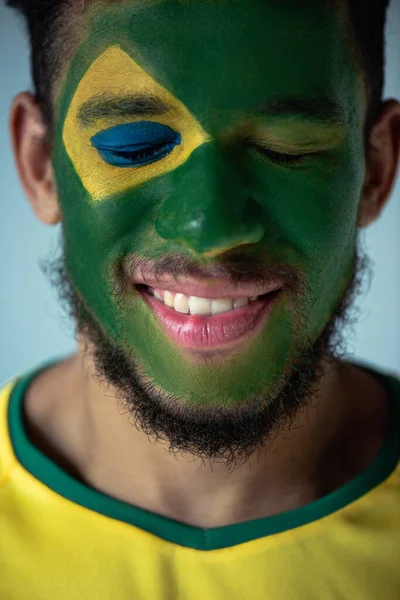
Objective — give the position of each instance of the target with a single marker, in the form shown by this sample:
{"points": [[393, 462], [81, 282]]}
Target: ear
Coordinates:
{"points": [[32, 157], [382, 163]]}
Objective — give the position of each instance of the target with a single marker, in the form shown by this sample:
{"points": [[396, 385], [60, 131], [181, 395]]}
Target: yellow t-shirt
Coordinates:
{"points": [[62, 540]]}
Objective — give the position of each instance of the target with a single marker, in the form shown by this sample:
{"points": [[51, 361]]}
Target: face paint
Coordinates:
{"points": [[153, 142], [188, 128], [112, 76]]}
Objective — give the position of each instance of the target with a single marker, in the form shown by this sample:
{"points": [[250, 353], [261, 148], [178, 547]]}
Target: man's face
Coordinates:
{"points": [[250, 155]]}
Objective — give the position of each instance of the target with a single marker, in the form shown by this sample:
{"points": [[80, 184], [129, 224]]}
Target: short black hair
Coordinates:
{"points": [[50, 26]]}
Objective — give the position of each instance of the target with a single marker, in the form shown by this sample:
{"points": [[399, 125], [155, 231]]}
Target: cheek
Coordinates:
{"points": [[91, 227], [312, 211], [97, 235]]}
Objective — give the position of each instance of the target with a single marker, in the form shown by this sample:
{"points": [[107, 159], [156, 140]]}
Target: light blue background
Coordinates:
{"points": [[33, 327]]}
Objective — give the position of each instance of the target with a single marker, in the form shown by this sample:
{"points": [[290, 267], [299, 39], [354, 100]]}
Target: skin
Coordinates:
{"points": [[221, 199], [182, 212]]}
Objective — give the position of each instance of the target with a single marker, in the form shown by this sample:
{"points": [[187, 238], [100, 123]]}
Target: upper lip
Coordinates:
{"points": [[216, 289]]}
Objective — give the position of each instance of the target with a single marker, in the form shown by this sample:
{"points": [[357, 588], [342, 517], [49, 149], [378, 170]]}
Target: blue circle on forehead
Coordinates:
{"points": [[135, 136]]}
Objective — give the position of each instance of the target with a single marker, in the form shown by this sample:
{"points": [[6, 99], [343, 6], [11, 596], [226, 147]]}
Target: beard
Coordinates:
{"points": [[226, 435]]}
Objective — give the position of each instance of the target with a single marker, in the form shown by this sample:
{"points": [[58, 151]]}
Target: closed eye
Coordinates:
{"points": [[279, 157], [135, 144], [135, 158]]}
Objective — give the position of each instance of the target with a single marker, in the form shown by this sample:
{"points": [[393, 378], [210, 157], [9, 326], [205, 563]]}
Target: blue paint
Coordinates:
{"points": [[135, 144]]}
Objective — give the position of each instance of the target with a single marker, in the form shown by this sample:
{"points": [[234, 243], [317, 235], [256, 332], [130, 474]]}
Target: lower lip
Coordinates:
{"points": [[197, 332]]}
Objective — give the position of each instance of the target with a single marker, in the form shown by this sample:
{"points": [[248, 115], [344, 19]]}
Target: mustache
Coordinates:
{"points": [[235, 269]]}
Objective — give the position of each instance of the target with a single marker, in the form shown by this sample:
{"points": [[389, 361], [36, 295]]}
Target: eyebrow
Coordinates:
{"points": [[322, 111], [119, 106]]}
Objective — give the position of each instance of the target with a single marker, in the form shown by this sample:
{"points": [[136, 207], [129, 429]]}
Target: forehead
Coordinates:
{"points": [[231, 54]]}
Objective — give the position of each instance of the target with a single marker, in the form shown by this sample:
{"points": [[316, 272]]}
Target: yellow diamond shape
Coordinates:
{"points": [[115, 73]]}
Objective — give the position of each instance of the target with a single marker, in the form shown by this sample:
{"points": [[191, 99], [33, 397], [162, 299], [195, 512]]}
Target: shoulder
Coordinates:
{"points": [[12, 392], [7, 457]]}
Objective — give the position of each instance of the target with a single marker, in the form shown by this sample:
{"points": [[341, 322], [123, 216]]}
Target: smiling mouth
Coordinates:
{"points": [[219, 323]]}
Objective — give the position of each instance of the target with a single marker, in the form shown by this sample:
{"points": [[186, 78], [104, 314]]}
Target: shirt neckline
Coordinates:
{"points": [[54, 477]]}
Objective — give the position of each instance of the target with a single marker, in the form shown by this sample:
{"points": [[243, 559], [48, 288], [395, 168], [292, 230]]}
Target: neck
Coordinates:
{"points": [[87, 433]]}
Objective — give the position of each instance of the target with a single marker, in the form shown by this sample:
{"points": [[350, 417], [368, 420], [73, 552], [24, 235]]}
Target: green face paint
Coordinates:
{"points": [[239, 80]]}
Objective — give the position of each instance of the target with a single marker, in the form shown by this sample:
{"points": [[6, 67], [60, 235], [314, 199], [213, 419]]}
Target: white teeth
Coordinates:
{"points": [[239, 302], [221, 305], [199, 306], [169, 299], [181, 303]]}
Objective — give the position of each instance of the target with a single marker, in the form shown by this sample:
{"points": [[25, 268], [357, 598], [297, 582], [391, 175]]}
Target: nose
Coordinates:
{"points": [[210, 208]]}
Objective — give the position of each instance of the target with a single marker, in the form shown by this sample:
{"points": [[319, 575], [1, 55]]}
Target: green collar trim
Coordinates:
{"points": [[46, 471]]}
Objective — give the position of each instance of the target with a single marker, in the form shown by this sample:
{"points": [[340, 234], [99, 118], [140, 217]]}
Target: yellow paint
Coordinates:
{"points": [[115, 72]]}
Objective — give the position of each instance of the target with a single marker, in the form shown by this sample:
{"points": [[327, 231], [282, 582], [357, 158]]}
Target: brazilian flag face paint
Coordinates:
{"points": [[96, 147], [188, 127]]}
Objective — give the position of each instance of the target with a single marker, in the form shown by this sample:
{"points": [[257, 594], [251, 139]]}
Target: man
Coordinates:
{"points": [[212, 164]]}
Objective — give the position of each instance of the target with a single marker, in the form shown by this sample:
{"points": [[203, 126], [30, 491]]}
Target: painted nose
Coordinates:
{"points": [[210, 208]]}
